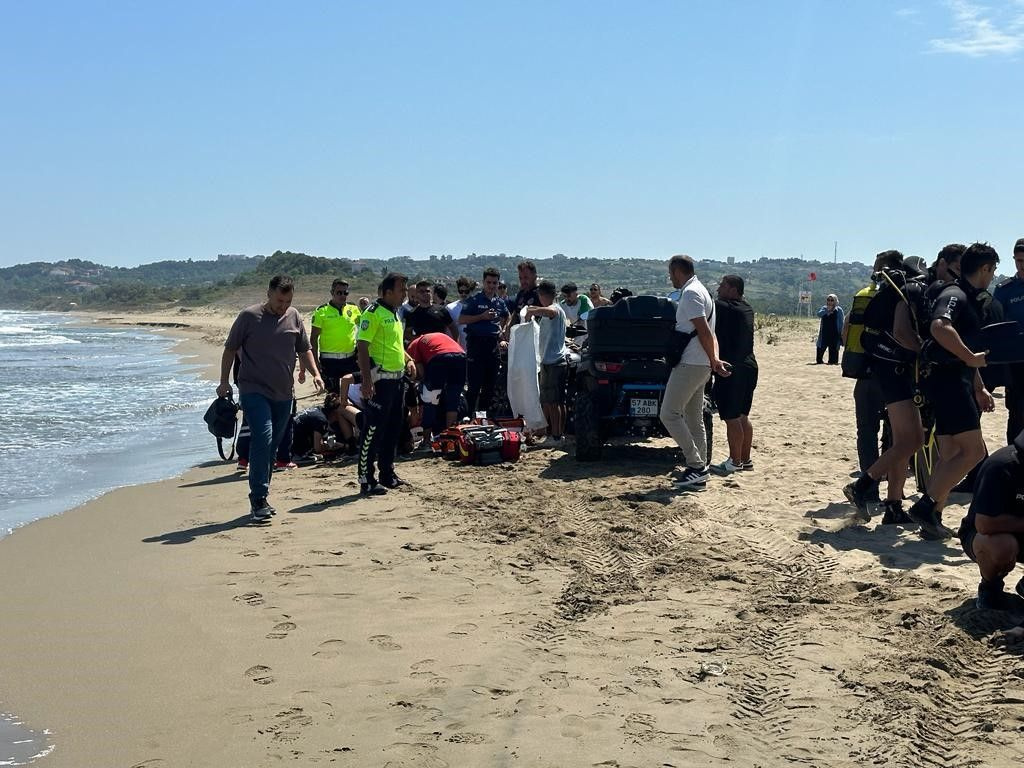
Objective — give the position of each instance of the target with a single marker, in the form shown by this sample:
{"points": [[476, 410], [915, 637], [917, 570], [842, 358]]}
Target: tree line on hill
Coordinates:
{"points": [[773, 285]]}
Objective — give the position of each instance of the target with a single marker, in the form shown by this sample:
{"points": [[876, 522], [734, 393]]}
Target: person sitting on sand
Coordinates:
{"points": [[314, 429], [992, 533], [267, 338]]}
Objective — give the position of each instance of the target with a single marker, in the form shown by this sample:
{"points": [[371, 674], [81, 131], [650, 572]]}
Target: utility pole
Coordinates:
{"points": [[835, 251]]}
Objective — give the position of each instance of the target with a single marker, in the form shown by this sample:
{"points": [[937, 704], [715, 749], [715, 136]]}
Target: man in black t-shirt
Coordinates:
{"points": [[734, 394], [954, 386], [428, 317], [992, 533], [527, 295]]}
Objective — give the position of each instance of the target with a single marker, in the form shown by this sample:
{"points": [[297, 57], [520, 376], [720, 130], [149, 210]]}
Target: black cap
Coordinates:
{"points": [[1018, 247]]}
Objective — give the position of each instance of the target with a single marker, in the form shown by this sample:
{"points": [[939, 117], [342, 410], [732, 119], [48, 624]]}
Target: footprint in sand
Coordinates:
{"points": [[461, 630], [574, 726], [259, 674], [329, 649], [249, 553], [250, 598], [156, 761], [280, 631], [556, 679], [384, 642]]}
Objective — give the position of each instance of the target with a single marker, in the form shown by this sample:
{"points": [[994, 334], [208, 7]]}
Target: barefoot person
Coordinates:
{"points": [[992, 533], [682, 409], [267, 338]]}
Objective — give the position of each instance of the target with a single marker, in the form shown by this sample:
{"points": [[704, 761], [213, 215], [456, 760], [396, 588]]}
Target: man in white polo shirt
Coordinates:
{"points": [[682, 410]]}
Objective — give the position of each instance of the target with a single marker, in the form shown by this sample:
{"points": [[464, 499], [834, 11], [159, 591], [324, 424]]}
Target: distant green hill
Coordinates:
{"points": [[772, 285]]}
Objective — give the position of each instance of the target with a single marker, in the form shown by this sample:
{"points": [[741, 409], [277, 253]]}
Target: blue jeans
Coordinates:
{"points": [[267, 421]]}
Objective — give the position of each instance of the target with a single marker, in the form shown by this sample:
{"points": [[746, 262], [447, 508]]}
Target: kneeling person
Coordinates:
{"points": [[441, 367], [992, 533]]}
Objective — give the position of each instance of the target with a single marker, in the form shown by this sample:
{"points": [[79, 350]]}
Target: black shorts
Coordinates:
{"points": [[950, 393], [334, 368], [896, 380], [967, 542], [552, 383], [734, 395]]}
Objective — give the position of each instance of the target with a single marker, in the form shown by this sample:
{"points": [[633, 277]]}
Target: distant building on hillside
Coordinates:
{"points": [[231, 257], [730, 260]]}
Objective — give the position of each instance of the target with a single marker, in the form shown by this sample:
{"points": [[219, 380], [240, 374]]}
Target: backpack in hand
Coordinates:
{"points": [[222, 420]]}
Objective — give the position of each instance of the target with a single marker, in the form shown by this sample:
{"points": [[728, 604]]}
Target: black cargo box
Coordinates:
{"points": [[634, 326]]}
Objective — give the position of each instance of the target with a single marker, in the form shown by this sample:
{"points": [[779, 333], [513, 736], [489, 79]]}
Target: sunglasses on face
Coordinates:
{"points": [[341, 293]]}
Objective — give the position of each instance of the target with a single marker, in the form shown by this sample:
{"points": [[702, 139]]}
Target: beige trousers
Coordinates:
{"points": [[682, 412]]}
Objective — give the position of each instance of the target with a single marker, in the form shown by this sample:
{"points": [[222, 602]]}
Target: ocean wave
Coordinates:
{"points": [[44, 340]]}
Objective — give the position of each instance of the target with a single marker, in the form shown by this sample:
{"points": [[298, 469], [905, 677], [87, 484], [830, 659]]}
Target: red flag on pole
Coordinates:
{"points": [[813, 276]]}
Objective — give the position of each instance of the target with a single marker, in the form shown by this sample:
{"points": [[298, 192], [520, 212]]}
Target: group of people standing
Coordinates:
{"points": [[917, 344], [367, 357]]}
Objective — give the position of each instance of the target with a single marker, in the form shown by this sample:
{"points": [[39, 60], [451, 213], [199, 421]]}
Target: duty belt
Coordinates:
{"points": [[336, 355], [377, 374]]}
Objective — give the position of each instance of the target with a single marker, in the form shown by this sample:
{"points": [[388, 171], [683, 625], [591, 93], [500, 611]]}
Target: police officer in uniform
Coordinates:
{"points": [[383, 365], [333, 337], [1010, 295]]}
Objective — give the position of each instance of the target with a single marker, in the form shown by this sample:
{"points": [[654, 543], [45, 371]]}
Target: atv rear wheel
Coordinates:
{"points": [[588, 433]]}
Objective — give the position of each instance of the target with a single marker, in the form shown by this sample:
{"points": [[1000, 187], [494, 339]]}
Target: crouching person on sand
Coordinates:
{"points": [[267, 338], [992, 533]]}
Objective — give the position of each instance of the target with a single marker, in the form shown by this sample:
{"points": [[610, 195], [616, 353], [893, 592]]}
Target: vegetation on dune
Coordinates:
{"points": [[772, 285]]}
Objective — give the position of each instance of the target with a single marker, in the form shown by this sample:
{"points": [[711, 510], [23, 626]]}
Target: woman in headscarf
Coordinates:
{"points": [[830, 330]]}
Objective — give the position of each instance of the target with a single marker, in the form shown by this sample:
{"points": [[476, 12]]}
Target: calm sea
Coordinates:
{"points": [[84, 410]]}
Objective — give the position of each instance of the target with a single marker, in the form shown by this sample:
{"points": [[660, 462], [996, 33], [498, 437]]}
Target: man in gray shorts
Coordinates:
{"points": [[267, 339], [554, 366]]}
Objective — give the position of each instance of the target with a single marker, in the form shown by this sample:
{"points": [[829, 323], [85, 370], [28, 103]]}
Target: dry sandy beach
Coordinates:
{"points": [[546, 613]]}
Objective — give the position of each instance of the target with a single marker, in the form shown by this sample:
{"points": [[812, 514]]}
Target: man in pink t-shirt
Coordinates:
{"points": [[441, 367]]}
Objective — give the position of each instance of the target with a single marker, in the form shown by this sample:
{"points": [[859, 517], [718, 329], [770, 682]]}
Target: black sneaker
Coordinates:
{"points": [[894, 514], [261, 511], [372, 489], [930, 521], [693, 478], [859, 500], [393, 482], [991, 597]]}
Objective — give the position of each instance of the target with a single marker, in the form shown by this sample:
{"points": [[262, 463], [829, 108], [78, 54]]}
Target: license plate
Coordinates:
{"points": [[643, 406]]}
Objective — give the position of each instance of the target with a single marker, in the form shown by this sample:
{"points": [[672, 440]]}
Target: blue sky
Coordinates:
{"points": [[133, 132]]}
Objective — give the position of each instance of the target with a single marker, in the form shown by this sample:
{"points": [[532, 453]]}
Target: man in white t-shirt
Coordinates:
{"points": [[465, 287], [682, 410]]}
